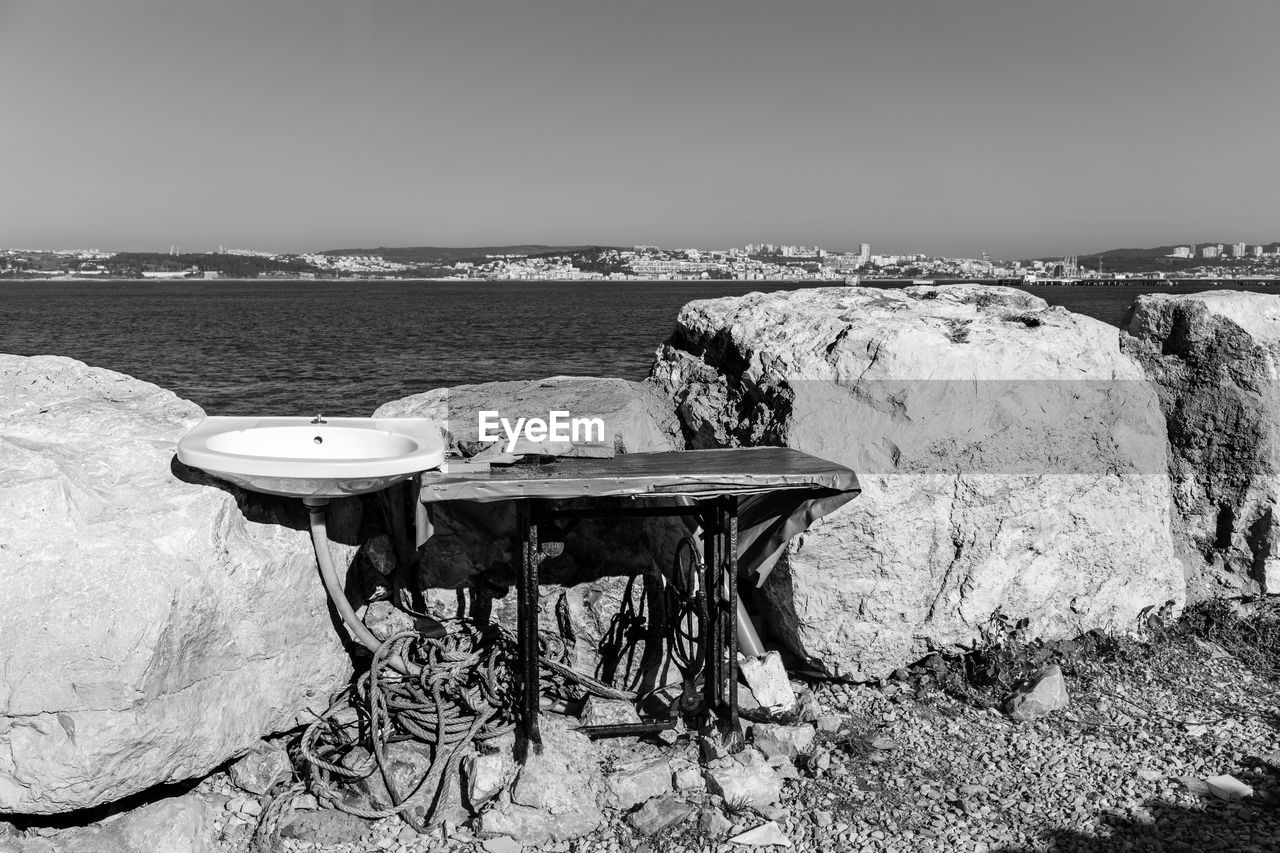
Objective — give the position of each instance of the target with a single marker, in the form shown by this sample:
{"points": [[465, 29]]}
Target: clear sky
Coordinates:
{"points": [[1019, 127]]}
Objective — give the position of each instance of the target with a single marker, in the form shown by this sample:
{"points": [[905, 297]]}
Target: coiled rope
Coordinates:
{"points": [[463, 692]]}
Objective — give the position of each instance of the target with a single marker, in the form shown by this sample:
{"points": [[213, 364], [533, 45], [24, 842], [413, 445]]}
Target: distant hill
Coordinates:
{"points": [[442, 255]]}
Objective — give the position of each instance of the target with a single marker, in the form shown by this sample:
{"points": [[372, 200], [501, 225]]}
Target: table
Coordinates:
{"points": [[749, 502]]}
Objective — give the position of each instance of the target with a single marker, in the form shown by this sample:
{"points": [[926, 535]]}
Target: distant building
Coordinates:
{"points": [[1209, 252], [1183, 252], [1257, 251], [1237, 250]]}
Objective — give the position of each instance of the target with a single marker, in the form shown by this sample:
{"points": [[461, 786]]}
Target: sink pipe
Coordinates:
{"points": [[316, 507]]}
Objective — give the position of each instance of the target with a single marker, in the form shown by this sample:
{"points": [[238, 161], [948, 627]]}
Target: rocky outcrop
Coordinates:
{"points": [[154, 623], [1214, 358], [1012, 459]]}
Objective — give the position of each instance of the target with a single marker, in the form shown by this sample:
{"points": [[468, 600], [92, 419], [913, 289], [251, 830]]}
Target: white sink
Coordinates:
{"points": [[313, 457]]}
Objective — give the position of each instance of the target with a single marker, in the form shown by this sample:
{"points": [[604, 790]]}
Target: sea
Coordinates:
{"points": [[345, 347]]}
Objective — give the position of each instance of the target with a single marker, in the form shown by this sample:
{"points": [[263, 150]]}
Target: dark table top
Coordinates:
{"points": [[687, 473]]}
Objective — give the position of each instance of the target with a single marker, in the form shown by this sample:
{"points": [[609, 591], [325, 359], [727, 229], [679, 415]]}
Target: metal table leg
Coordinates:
{"points": [[527, 621], [731, 610]]}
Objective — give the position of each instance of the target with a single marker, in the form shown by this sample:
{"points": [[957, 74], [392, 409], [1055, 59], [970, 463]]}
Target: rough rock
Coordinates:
{"points": [[1041, 695], [184, 618], [501, 844], [608, 712], [1227, 787], [1214, 358], [660, 814], [745, 779], [487, 776], [767, 680], [766, 834], [775, 740], [554, 795], [713, 824], [1011, 457], [176, 825], [265, 765], [686, 776], [324, 826], [635, 783], [408, 762]]}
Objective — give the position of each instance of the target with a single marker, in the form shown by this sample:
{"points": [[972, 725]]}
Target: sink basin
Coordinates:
{"points": [[297, 457]]}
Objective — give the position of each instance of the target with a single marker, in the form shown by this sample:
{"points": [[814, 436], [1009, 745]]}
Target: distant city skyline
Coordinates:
{"points": [[1022, 130]]}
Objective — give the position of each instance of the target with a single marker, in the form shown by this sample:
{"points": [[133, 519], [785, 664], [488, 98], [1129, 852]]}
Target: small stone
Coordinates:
{"points": [[767, 679], [251, 807], [607, 712], [822, 818], [687, 777], [634, 784], [884, 743], [765, 833], [262, 768], [502, 844], [712, 749], [1227, 787], [659, 814], [807, 709], [1045, 693], [487, 775], [714, 824], [778, 740], [744, 779], [324, 826], [830, 723]]}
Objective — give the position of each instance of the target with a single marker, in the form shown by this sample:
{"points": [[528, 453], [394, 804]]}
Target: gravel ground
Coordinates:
{"points": [[917, 769]]}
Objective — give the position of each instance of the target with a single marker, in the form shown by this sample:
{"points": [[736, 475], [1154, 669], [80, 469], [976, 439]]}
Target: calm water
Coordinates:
{"points": [[346, 347]]}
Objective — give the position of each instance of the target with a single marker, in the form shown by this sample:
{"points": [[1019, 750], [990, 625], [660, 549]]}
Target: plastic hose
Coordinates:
{"points": [[333, 586]]}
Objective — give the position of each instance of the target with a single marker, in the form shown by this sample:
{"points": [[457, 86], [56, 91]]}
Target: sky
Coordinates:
{"points": [[1017, 127]]}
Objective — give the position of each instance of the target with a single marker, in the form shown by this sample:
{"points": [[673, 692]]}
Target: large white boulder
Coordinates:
{"points": [[1012, 459], [1214, 357], [153, 623]]}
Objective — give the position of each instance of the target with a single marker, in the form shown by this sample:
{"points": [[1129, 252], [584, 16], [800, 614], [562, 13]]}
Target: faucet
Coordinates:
{"points": [[319, 419]]}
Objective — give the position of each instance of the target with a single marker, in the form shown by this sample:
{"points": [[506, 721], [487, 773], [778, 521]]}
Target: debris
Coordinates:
{"points": [[768, 682], [607, 712], [765, 833], [659, 814], [1045, 693], [1227, 787]]}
